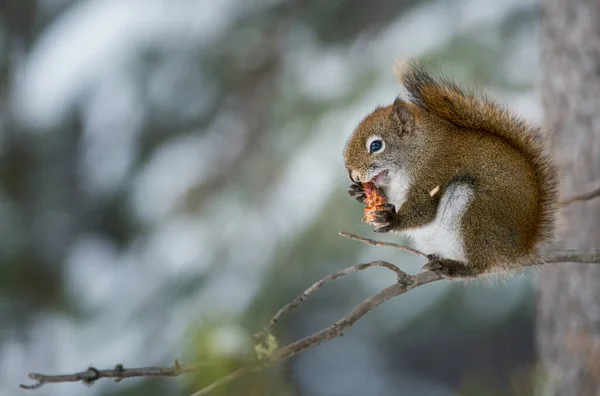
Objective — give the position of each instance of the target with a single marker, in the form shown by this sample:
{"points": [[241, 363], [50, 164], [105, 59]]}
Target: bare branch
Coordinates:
{"points": [[337, 329], [118, 373], [401, 275], [404, 283], [583, 197], [353, 316], [572, 256], [373, 242]]}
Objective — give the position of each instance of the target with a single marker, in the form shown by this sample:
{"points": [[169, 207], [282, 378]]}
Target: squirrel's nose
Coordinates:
{"points": [[354, 176]]}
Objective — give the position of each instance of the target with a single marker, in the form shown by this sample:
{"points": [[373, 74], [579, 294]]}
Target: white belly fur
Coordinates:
{"points": [[442, 236]]}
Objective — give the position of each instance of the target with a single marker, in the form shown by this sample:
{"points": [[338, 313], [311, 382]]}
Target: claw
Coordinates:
{"points": [[385, 219], [386, 228], [433, 266], [357, 191], [436, 264]]}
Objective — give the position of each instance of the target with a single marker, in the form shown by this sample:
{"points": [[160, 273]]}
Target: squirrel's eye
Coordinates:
{"points": [[375, 146]]}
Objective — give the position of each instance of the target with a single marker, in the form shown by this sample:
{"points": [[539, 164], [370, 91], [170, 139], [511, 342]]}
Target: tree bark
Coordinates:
{"points": [[568, 322]]}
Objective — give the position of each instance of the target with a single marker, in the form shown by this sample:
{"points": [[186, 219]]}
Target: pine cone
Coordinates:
{"points": [[374, 201]]}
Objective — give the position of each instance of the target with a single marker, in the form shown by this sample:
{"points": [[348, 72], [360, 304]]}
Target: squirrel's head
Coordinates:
{"points": [[385, 143]]}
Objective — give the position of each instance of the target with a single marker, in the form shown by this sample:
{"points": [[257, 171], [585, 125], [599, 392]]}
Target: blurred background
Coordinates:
{"points": [[171, 174]]}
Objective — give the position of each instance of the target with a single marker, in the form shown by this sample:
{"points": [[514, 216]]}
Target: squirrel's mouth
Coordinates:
{"points": [[380, 179]]}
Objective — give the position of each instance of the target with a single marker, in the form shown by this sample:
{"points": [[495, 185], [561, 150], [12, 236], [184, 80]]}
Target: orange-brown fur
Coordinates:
{"points": [[444, 136]]}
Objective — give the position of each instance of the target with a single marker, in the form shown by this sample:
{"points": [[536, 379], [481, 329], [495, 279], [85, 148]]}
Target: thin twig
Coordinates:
{"points": [[572, 256], [373, 242], [583, 197], [401, 275], [338, 328], [118, 373], [228, 378]]}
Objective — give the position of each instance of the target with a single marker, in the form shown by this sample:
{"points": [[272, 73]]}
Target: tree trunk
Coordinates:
{"points": [[568, 323]]}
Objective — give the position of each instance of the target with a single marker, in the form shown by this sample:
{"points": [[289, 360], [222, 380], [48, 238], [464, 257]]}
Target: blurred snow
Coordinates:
{"points": [[182, 163], [98, 38], [321, 73], [182, 246], [90, 283], [116, 134], [486, 12]]}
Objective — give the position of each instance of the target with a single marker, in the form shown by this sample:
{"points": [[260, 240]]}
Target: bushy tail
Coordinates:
{"points": [[476, 111]]}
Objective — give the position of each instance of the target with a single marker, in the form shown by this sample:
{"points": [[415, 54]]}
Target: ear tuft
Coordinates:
{"points": [[402, 117]]}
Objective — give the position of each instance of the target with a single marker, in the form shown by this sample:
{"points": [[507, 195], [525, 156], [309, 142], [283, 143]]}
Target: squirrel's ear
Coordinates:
{"points": [[401, 115]]}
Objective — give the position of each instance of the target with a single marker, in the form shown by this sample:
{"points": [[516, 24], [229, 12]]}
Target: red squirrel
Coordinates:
{"points": [[469, 182]]}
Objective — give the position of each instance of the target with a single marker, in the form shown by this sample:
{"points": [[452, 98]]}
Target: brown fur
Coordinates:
{"points": [[445, 136]]}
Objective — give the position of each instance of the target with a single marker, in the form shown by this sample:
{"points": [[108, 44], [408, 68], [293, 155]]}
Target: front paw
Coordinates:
{"points": [[385, 218], [357, 191]]}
